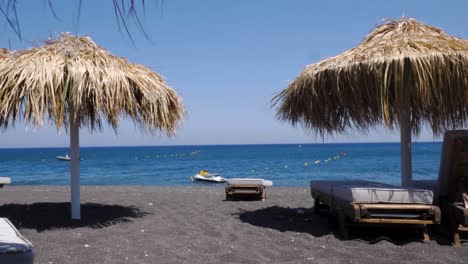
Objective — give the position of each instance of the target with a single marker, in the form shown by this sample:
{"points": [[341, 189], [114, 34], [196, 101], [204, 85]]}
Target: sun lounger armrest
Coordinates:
{"points": [[460, 214]]}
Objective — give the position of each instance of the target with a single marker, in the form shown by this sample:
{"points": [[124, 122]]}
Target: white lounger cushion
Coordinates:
{"points": [[14, 248], [5, 180], [249, 181], [372, 192]]}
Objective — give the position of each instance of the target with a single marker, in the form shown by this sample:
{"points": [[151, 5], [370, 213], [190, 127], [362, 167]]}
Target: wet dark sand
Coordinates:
{"points": [[196, 225]]}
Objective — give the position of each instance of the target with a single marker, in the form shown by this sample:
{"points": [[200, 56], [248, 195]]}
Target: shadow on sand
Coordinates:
{"points": [[304, 220], [47, 216]]}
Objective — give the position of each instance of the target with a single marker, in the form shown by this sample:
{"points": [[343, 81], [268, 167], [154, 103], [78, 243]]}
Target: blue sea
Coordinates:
{"points": [[285, 165]]}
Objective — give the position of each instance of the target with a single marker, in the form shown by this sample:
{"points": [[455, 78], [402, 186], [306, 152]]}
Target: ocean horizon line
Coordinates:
{"points": [[220, 145]]}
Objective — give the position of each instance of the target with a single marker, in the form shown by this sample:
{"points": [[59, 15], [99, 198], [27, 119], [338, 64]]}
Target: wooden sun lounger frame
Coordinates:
{"points": [[457, 215], [458, 184], [245, 191], [348, 213]]}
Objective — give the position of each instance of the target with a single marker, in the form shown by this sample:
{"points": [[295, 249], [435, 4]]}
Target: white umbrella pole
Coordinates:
{"points": [[75, 169]]}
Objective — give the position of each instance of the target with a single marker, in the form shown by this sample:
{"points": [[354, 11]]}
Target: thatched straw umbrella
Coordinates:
{"points": [[404, 73], [3, 54], [76, 83]]}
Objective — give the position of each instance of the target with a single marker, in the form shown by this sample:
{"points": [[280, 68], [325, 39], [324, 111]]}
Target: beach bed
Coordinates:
{"points": [[14, 248], [366, 202], [453, 181], [452, 184], [4, 181], [247, 188]]}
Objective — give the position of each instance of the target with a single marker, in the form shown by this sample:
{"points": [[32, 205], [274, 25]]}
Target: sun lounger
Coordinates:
{"points": [[247, 188], [375, 203], [4, 181], [14, 248], [453, 181]]}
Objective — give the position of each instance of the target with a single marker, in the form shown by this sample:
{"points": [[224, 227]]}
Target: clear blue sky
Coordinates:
{"points": [[225, 58]]}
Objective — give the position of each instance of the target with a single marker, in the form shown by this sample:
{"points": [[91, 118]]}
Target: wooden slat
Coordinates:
{"points": [[462, 158], [398, 206], [459, 170], [245, 186], [463, 145], [394, 221], [244, 192]]}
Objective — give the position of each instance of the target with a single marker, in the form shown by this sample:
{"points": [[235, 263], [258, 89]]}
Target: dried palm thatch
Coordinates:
{"points": [[3, 53], [366, 85], [73, 79]]}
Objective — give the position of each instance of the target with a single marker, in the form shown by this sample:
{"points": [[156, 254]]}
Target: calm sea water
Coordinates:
{"points": [[285, 165]]}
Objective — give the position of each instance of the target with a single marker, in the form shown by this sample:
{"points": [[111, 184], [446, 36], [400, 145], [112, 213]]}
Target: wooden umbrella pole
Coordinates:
{"points": [[75, 169], [406, 163], [405, 129]]}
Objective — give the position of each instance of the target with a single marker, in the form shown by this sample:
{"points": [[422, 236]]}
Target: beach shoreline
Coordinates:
{"points": [[165, 224]]}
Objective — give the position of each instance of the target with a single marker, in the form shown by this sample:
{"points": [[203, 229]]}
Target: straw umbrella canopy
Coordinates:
{"points": [[3, 54], [404, 73], [75, 83]]}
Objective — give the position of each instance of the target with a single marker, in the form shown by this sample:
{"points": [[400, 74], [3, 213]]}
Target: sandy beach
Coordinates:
{"points": [[196, 225]]}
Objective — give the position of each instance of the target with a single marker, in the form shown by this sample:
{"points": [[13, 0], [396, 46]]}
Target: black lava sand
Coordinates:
{"points": [[196, 225]]}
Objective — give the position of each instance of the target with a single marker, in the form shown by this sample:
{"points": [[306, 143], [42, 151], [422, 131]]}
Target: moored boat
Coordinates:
{"points": [[204, 175], [66, 157]]}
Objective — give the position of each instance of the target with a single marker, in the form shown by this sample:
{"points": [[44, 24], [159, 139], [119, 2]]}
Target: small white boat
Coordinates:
{"points": [[205, 176], [66, 157]]}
